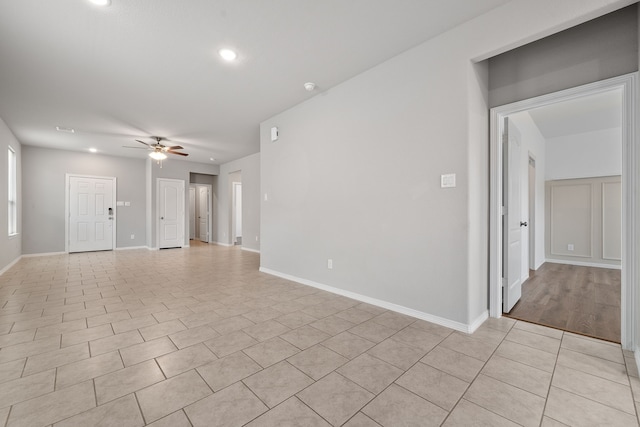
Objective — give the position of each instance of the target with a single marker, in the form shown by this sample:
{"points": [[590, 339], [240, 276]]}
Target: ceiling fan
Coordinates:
{"points": [[159, 150]]}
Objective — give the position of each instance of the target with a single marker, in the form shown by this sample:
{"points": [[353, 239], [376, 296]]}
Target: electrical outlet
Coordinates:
{"points": [[133, 236], [570, 247], [330, 264]]}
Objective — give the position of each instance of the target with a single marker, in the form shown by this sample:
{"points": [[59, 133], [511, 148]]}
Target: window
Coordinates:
{"points": [[13, 193]]}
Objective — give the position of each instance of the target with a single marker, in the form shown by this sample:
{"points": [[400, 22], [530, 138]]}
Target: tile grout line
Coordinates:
{"points": [[475, 377], [555, 365]]}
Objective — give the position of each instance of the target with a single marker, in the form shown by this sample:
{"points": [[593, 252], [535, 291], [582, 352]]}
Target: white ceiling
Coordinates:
{"points": [[586, 114], [150, 67]]}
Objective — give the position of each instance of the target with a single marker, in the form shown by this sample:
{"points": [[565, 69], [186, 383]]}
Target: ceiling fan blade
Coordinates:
{"points": [[178, 153], [139, 148], [143, 143], [175, 147]]}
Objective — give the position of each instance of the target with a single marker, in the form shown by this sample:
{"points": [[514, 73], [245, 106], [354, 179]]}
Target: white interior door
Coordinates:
{"points": [[171, 213], [91, 214], [192, 213], [512, 234], [203, 213]]}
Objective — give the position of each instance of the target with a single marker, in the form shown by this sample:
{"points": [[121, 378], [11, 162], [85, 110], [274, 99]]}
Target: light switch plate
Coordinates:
{"points": [[448, 180]]}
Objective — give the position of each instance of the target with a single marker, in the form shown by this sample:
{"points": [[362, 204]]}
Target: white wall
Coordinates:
{"points": [[250, 168], [43, 194], [532, 143], [10, 246], [585, 155], [355, 173]]}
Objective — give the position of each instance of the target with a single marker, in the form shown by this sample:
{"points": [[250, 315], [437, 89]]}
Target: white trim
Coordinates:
{"points": [[126, 248], [583, 263], [636, 355], [66, 208], [11, 264], [469, 329], [43, 254], [223, 244], [250, 250], [630, 183]]}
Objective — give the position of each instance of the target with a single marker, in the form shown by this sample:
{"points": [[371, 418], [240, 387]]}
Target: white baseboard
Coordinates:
{"points": [[127, 248], [250, 250], [584, 264], [222, 244], [11, 264], [384, 304], [43, 254]]}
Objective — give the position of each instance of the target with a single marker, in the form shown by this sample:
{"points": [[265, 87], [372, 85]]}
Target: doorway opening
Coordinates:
{"points": [[200, 212], [235, 211], [567, 211]]}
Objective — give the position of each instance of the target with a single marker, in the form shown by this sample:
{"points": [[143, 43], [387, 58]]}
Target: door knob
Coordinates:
{"points": [[161, 217], [523, 224]]}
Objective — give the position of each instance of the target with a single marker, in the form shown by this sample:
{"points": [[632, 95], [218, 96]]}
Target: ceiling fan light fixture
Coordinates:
{"points": [[101, 2], [157, 155], [93, 150], [228, 54]]}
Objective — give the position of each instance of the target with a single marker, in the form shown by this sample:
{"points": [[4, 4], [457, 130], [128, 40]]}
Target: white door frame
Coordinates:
{"points": [[630, 183], [181, 206], [67, 178]]}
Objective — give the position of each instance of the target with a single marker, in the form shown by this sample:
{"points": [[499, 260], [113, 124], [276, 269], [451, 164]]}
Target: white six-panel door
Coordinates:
{"points": [[171, 213], [91, 213]]}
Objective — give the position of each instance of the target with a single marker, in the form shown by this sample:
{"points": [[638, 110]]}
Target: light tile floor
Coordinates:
{"points": [[197, 336]]}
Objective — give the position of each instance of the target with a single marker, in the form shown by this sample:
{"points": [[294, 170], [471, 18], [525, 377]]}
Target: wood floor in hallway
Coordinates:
{"points": [[584, 300]]}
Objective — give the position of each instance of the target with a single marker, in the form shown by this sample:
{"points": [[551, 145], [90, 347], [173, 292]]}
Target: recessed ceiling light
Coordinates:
{"points": [[63, 129], [93, 150], [227, 54], [101, 2], [212, 159]]}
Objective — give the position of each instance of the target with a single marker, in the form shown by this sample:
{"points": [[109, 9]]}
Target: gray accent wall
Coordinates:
{"points": [[355, 174], [596, 50], [250, 170], [43, 194], [10, 246]]}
